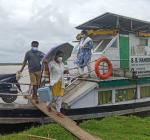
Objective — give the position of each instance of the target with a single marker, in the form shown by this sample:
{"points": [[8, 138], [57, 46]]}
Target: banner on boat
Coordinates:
{"points": [[140, 64]]}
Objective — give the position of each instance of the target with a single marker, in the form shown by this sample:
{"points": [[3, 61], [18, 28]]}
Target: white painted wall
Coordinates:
{"points": [[133, 40], [114, 55], [89, 100]]}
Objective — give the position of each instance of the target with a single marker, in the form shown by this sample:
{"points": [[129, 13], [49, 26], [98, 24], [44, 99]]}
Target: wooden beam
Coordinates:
{"points": [[65, 122]]}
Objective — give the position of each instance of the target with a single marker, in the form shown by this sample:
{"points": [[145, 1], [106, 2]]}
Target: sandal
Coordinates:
{"points": [[49, 108], [60, 114], [35, 97]]}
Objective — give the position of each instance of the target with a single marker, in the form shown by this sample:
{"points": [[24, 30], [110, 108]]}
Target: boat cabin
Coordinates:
{"points": [[126, 42]]}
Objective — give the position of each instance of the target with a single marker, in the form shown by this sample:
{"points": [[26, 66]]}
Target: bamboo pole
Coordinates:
{"points": [[35, 136]]}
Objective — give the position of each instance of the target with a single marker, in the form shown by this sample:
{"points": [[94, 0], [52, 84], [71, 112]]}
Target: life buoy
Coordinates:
{"points": [[97, 71]]}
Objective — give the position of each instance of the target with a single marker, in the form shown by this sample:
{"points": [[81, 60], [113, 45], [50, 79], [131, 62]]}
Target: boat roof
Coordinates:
{"points": [[113, 21]]}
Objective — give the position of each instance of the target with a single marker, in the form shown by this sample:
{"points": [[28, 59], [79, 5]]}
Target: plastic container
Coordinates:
{"points": [[45, 94]]}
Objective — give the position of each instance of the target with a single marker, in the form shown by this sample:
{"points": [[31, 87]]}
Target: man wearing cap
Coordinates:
{"points": [[84, 53], [34, 58]]}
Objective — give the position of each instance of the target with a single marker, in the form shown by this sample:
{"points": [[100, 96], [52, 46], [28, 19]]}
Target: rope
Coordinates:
{"points": [[95, 61], [9, 94], [81, 65], [14, 83]]}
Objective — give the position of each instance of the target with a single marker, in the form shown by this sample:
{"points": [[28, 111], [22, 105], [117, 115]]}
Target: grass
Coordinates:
{"points": [[110, 128]]}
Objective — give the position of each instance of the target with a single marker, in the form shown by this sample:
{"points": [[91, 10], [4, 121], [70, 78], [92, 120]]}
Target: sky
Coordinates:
{"points": [[52, 22]]}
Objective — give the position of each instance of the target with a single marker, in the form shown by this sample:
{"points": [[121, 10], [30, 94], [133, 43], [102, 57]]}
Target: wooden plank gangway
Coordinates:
{"points": [[65, 122]]}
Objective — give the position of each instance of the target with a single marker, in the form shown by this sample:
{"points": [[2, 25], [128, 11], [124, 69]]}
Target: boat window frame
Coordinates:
{"points": [[112, 40]]}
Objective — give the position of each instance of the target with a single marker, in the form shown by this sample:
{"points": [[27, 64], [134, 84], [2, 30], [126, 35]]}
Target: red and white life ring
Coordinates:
{"points": [[97, 71]]}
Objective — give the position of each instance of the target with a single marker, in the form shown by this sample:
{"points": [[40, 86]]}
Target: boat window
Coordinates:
{"points": [[142, 48], [102, 45], [145, 91], [143, 42], [139, 50], [104, 97], [125, 94], [96, 44], [114, 45]]}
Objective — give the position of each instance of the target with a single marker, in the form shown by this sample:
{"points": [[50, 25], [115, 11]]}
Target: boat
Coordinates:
{"points": [[125, 42]]}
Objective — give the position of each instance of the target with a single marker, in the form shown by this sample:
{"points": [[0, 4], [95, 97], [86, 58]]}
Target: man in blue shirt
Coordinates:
{"points": [[34, 58]]}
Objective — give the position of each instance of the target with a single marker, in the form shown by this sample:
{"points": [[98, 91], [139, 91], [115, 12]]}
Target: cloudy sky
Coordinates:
{"points": [[52, 21]]}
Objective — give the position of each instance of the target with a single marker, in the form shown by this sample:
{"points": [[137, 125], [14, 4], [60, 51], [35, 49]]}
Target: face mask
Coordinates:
{"points": [[59, 59], [34, 48]]}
